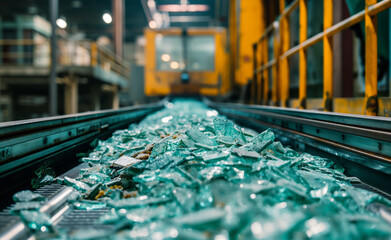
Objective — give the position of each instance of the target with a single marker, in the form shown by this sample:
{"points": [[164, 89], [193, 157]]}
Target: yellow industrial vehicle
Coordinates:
{"points": [[187, 61]]}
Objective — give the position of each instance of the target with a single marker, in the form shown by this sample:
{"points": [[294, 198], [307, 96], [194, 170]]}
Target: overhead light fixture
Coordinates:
{"points": [[166, 57], [76, 4], [174, 65], [152, 24], [32, 9], [61, 23], [151, 4], [107, 18], [184, 8]]}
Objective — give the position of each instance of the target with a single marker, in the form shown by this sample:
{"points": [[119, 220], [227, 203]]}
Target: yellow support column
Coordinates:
{"points": [[265, 73], [115, 102], [71, 94], [232, 41], [94, 54], [275, 84], [327, 56], [259, 74], [261, 61], [371, 102], [284, 64], [303, 54], [254, 80]]}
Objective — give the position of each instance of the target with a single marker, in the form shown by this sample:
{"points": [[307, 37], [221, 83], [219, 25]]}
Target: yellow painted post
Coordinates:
{"points": [[303, 54], [284, 64], [259, 74], [253, 84], [94, 54], [327, 56], [265, 73], [263, 59], [232, 41], [71, 95], [371, 101], [275, 84]]}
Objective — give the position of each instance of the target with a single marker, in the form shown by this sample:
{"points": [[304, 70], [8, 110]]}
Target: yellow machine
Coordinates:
{"points": [[191, 61]]}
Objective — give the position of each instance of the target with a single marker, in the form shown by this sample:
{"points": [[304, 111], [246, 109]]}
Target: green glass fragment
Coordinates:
{"points": [[27, 196], [25, 206], [36, 220]]}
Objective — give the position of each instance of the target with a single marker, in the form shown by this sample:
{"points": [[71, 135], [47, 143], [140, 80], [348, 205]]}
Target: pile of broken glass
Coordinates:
{"points": [[186, 172]]}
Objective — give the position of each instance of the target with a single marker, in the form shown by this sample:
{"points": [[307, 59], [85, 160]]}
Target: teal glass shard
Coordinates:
{"points": [[215, 156], [296, 188], [245, 153], [260, 186], [89, 205], [27, 196], [317, 228], [261, 141], [138, 202], [199, 137], [227, 132], [76, 184], [204, 146], [90, 233], [124, 161], [36, 220], [48, 179], [25, 206], [41, 174], [186, 198], [93, 191], [111, 217], [205, 218]]}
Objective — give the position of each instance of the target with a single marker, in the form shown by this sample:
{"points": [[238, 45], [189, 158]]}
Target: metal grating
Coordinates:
{"points": [[75, 172], [83, 219], [7, 220]]}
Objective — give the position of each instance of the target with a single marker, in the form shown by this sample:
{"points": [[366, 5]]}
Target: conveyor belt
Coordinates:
{"points": [[70, 219], [361, 143], [52, 191]]}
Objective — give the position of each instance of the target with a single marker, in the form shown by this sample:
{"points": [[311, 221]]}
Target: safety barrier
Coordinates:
{"points": [[279, 64]]}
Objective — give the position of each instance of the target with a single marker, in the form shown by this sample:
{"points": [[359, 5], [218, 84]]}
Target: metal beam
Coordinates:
{"points": [[183, 19], [371, 102], [118, 31], [327, 56], [53, 108], [303, 54]]}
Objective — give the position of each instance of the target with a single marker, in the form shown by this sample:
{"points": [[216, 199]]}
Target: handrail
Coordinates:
{"points": [[288, 10], [261, 65], [265, 66], [342, 25], [267, 31], [102, 55]]}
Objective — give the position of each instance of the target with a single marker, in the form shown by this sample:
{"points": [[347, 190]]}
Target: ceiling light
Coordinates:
{"points": [[174, 65], [183, 8], [76, 4], [166, 57], [107, 18], [152, 24], [32, 9], [151, 4], [61, 23]]}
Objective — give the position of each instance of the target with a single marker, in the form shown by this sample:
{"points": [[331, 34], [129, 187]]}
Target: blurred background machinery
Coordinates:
{"points": [[324, 55], [188, 61]]}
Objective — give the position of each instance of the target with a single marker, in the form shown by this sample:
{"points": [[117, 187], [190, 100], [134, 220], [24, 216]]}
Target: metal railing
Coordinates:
{"points": [[36, 53], [279, 32]]}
